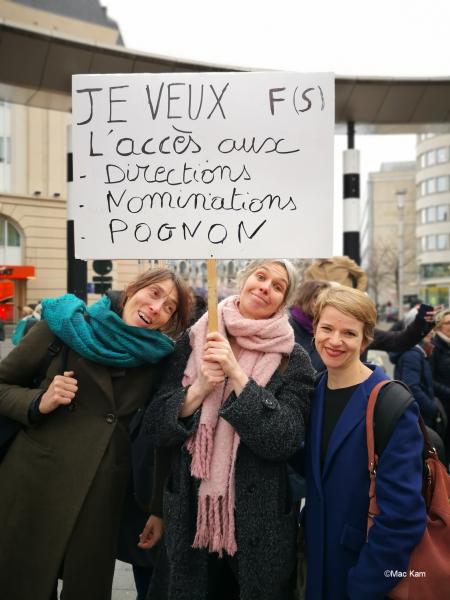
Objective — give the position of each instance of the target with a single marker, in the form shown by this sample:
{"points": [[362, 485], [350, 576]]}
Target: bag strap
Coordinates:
{"points": [[53, 349], [391, 404], [385, 423], [373, 457]]}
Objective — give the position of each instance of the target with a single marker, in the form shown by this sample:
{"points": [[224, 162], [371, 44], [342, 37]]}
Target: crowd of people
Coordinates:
{"points": [[188, 452]]}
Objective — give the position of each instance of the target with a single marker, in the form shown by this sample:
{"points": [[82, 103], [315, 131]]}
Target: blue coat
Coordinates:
{"points": [[412, 367], [341, 564]]}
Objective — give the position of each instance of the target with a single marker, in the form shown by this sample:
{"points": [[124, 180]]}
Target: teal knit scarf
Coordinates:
{"points": [[104, 337]]}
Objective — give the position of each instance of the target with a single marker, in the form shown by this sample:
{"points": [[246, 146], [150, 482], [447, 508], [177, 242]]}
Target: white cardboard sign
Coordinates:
{"points": [[203, 165]]}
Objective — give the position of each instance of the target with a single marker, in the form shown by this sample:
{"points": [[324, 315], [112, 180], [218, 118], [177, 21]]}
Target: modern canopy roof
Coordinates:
{"points": [[36, 67]]}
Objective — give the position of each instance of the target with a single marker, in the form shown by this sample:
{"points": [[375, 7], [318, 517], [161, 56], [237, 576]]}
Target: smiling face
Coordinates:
{"points": [[151, 306], [263, 292], [338, 338]]}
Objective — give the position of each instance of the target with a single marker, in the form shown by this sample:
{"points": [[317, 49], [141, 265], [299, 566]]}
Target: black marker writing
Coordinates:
{"points": [[267, 145], [176, 101], [216, 233]]}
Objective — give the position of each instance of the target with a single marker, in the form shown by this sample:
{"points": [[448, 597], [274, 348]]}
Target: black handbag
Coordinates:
{"points": [[9, 428]]}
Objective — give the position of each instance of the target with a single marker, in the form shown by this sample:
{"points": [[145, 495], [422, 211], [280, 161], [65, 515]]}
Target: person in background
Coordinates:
{"points": [[440, 367], [19, 330], [64, 478], [301, 319], [340, 269], [412, 367], [344, 559], [231, 409], [199, 306]]}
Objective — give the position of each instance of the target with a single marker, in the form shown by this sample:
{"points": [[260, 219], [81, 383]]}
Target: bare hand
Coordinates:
{"points": [[218, 350], [209, 375], [151, 533], [61, 392]]}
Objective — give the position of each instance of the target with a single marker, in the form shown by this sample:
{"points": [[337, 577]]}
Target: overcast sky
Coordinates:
{"points": [[348, 37]]}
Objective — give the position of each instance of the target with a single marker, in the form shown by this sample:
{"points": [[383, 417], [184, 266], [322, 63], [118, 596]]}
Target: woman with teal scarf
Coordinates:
{"points": [[64, 478]]}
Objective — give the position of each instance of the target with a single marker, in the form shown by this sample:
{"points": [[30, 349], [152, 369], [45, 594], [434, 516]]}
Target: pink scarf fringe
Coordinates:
{"points": [[214, 445]]}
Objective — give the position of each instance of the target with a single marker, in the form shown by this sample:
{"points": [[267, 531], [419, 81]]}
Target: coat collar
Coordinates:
{"points": [[352, 415]]}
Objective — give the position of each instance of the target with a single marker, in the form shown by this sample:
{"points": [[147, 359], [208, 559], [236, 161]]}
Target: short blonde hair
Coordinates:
{"points": [[351, 302], [291, 271], [440, 317]]}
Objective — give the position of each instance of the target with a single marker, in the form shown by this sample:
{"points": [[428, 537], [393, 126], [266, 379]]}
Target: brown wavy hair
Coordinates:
{"points": [[178, 321], [307, 294]]}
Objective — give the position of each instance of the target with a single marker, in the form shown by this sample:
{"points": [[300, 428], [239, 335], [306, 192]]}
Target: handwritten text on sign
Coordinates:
{"points": [[222, 165]]}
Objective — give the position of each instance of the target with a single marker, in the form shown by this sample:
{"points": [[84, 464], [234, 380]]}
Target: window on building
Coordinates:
{"points": [[13, 236], [5, 147], [431, 186], [442, 154], [423, 188], [431, 242], [442, 241], [435, 270], [431, 158], [423, 161], [10, 243], [442, 183], [431, 214], [442, 212]]}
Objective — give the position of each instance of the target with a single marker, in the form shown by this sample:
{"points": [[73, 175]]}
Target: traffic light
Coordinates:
{"points": [[102, 281]]}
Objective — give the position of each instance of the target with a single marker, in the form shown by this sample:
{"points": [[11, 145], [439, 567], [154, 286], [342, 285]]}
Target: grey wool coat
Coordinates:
{"points": [[270, 422], [63, 480]]}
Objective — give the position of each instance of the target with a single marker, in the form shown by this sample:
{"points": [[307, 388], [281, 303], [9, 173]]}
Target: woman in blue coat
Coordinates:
{"points": [[343, 561]]}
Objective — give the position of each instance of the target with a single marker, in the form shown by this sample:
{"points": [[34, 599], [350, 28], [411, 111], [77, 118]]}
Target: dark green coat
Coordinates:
{"points": [[62, 482]]}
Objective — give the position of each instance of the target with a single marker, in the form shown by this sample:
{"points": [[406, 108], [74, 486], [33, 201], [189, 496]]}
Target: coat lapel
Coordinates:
{"points": [[100, 375], [351, 417]]}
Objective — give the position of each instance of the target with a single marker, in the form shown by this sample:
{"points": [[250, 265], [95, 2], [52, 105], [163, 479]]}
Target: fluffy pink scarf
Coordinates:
{"points": [[214, 445]]}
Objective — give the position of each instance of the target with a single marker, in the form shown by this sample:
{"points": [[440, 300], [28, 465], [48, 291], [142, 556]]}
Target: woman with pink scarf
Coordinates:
{"points": [[231, 409]]}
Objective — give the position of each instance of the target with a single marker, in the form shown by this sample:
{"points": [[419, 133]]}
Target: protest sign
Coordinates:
{"points": [[203, 165]]}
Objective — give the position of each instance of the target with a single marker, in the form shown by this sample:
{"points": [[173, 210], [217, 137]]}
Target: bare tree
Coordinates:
{"points": [[383, 268]]}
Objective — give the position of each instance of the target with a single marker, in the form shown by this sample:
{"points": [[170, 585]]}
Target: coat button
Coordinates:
{"points": [[270, 403], [110, 418], [254, 541], [251, 488]]}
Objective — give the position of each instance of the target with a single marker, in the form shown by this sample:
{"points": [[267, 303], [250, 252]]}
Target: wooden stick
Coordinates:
{"points": [[213, 324]]}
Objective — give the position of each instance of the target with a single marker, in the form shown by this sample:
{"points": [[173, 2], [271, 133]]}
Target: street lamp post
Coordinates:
{"points": [[401, 196]]}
